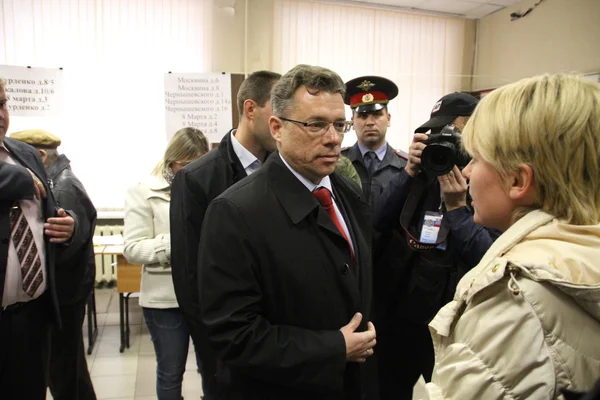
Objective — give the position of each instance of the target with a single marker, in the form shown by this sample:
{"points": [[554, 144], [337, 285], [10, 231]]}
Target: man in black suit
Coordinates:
{"points": [[285, 263], [69, 375], [31, 227], [241, 152]]}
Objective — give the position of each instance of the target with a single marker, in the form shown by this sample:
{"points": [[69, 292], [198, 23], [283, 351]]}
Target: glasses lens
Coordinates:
{"points": [[317, 126]]}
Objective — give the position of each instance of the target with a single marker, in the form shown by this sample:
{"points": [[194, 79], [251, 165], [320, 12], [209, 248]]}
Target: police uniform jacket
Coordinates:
{"points": [[389, 167]]}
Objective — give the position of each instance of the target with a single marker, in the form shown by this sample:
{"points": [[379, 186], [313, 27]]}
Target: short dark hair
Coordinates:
{"points": [[316, 79], [256, 87]]}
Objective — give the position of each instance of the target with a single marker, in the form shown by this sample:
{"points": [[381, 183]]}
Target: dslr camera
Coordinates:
{"points": [[443, 152]]}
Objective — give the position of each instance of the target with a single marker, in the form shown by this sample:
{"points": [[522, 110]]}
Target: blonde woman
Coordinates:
{"points": [[525, 323], [147, 242]]}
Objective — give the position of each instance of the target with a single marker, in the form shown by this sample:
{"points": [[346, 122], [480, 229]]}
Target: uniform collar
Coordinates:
{"points": [[380, 152]]}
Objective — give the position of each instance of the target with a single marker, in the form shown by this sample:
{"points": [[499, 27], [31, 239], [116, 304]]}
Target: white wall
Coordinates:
{"points": [[557, 36]]}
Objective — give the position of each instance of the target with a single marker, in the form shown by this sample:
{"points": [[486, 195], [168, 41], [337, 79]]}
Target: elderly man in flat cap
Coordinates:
{"points": [[69, 376]]}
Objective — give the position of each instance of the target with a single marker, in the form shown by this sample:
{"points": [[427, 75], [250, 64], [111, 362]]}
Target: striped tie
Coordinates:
{"points": [[27, 252]]}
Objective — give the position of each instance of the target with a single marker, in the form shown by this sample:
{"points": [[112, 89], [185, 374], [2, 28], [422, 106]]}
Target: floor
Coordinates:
{"points": [[131, 375]]}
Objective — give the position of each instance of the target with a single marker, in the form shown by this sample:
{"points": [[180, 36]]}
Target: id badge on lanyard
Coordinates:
{"points": [[431, 229]]}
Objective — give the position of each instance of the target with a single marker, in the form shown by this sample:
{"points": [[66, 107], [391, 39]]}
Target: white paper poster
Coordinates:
{"points": [[200, 101], [32, 91]]}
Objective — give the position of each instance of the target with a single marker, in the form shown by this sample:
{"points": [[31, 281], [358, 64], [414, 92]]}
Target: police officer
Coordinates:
{"points": [[373, 158]]}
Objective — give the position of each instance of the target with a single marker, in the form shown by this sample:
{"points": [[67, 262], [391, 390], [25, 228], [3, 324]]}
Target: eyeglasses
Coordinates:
{"points": [[321, 127], [183, 163]]}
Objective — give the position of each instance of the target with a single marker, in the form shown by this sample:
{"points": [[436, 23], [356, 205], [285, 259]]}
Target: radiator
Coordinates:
{"points": [[105, 264]]}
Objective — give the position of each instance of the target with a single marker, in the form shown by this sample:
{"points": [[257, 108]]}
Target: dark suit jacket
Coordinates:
{"points": [[193, 188], [277, 283], [16, 184]]}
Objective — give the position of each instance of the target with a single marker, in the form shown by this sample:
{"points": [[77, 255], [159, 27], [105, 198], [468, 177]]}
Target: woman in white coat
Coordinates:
{"points": [[525, 322], [148, 242]]}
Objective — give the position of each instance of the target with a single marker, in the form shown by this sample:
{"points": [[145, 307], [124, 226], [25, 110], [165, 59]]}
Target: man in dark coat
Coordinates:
{"points": [[285, 263], [33, 232], [69, 374], [241, 152], [423, 273]]}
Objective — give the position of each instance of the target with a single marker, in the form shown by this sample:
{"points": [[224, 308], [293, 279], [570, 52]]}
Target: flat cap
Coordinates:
{"points": [[37, 138]]}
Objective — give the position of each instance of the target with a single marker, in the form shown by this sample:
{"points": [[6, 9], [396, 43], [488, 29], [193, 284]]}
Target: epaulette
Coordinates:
{"points": [[401, 154]]}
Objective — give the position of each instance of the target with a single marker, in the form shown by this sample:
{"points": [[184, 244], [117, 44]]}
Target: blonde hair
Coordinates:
{"points": [[186, 145], [2, 83], [552, 124]]}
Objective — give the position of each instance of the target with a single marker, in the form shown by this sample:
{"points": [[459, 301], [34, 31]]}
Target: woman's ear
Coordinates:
{"points": [[522, 188]]}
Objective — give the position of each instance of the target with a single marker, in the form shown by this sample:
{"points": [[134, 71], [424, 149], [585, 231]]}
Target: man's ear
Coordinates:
{"points": [[522, 185], [250, 108], [43, 155], [275, 125]]}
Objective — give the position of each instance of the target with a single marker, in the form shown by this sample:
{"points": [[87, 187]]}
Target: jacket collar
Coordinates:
{"points": [[294, 197], [228, 153], [158, 183], [499, 259], [58, 166], [297, 201], [19, 151], [391, 158]]}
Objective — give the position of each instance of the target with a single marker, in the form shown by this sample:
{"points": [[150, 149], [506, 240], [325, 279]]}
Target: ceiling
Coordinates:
{"points": [[465, 8]]}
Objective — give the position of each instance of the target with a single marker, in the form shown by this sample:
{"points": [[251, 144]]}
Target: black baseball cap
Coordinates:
{"points": [[447, 109]]}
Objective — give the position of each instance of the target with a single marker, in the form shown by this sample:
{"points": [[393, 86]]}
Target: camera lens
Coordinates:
{"points": [[438, 158]]}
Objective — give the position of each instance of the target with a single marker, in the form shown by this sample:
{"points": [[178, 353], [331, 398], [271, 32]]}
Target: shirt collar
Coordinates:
{"points": [[380, 152], [246, 158], [325, 182]]}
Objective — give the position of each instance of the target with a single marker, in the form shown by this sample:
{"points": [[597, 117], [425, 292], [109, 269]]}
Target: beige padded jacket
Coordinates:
{"points": [[525, 322]]}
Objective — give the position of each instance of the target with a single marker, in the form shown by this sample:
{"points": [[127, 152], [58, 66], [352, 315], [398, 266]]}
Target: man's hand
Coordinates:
{"points": [[60, 228], [359, 345], [454, 189], [38, 187], [414, 154]]}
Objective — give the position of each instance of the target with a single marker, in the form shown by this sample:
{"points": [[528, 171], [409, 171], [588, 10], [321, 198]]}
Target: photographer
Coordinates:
{"points": [[427, 206]]}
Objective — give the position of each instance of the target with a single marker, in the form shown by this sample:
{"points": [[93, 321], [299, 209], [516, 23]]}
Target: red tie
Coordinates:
{"points": [[27, 252], [324, 196]]}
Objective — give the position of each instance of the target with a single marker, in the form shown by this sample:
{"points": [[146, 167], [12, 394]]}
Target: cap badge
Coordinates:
{"points": [[367, 98], [437, 107], [365, 85]]}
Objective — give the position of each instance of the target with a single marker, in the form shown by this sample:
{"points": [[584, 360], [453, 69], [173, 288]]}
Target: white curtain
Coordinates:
{"points": [[422, 54], [114, 54]]}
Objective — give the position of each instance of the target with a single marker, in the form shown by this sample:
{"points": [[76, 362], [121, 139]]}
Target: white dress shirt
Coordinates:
{"points": [[326, 183], [32, 209], [248, 160]]}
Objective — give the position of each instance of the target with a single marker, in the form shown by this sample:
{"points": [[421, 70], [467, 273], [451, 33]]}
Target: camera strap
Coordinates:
{"points": [[420, 184]]}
